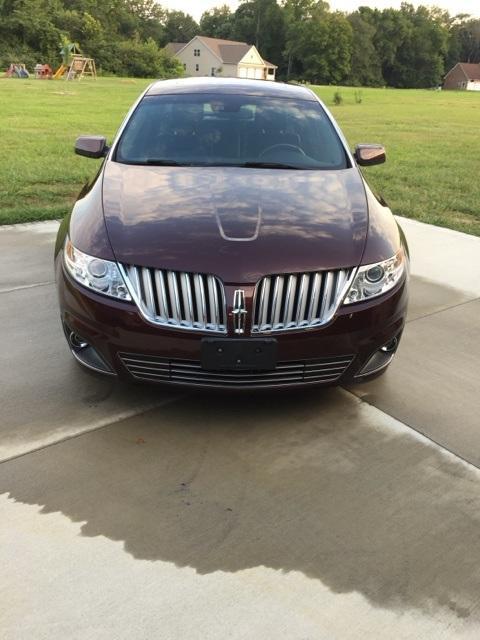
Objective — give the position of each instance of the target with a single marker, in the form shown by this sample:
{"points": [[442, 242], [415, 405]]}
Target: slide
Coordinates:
{"points": [[60, 71]]}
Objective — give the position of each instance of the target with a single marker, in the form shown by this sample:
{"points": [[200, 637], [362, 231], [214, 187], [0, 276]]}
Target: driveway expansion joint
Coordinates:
{"points": [[21, 287], [434, 313], [100, 425], [417, 431]]}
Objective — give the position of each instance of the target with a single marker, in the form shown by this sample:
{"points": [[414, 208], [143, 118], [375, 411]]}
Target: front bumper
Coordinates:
{"points": [[130, 347]]}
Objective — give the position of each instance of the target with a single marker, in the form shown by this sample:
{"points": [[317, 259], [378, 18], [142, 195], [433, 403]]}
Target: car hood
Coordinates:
{"points": [[237, 223]]}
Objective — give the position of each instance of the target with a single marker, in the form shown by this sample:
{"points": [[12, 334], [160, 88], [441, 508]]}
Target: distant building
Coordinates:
{"points": [[222, 58], [464, 75]]}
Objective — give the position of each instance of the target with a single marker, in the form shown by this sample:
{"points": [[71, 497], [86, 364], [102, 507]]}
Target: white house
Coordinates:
{"points": [[214, 57]]}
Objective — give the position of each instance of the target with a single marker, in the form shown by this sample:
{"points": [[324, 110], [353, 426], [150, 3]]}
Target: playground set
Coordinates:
{"points": [[75, 66]]}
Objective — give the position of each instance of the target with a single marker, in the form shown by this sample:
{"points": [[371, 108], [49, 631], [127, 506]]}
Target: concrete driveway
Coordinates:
{"points": [[137, 512]]}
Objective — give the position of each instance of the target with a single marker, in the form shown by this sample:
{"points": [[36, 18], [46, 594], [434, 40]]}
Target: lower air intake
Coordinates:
{"points": [[155, 369]]}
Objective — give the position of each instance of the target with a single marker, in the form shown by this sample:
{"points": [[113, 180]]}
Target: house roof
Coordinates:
{"points": [[233, 53], [470, 69], [174, 47], [232, 49]]}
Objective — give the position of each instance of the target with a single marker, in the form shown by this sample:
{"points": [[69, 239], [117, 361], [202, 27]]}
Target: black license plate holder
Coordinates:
{"points": [[230, 354]]}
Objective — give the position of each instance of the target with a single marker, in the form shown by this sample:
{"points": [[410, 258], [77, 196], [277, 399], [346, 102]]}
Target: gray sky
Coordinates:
{"points": [[197, 7]]}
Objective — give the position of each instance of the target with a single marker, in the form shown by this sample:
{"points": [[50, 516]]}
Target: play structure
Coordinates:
{"points": [[17, 70], [43, 72], [81, 67], [75, 65]]}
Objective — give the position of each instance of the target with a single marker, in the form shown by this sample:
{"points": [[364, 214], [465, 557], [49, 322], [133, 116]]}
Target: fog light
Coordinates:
{"points": [[390, 346], [76, 341], [380, 359]]}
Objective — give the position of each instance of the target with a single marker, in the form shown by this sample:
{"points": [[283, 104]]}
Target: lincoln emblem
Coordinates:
{"points": [[239, 311]]}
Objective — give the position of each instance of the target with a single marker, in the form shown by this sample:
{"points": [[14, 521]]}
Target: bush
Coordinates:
{"points": [[144, 60], [18, 54], [337, 98]]}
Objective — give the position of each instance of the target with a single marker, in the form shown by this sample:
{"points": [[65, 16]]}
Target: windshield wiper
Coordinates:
{"points": [[269, 165]]}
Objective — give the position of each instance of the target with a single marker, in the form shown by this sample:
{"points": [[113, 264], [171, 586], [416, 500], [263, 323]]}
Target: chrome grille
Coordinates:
{"points": [[156, 369], [298, 301], [178, 299]]}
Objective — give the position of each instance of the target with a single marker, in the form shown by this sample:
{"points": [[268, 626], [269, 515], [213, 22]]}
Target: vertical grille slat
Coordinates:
{"points": [[174, 296], [213, 301], [302, 298], [200, 299], [181, 300], [161, 295], [187, 299], [277, 300], [289, 301], [326, 295], [148, 290], [298, 301], [314, 297], [264, 299]]}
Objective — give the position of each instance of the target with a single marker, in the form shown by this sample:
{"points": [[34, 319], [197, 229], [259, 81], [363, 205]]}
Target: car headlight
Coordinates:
{"points": [[374, 279], [102, 276]]}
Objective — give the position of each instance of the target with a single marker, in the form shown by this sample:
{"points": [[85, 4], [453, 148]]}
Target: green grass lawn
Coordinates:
{"points": [[431, 139]]}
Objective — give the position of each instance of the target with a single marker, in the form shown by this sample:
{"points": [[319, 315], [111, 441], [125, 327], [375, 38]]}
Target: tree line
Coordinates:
{"points": [[406, 47]]}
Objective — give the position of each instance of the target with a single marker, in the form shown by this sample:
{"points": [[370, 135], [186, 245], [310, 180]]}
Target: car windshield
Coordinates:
{"points": [[231, 130]]}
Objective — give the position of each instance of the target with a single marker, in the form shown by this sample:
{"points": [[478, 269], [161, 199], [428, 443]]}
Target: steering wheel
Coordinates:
{"points": [[283, 145]]}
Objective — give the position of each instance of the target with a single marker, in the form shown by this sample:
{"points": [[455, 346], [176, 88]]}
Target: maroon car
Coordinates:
{"points": [[230, 240]]}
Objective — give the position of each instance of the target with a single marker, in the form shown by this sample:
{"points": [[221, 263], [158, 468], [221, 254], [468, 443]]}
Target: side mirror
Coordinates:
{"points": [[91, 146], [368, 154]]}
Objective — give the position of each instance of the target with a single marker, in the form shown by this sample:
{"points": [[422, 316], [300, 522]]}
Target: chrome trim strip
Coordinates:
{"points": [[191, 372]]}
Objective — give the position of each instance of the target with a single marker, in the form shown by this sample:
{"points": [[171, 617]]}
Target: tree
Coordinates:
{"points": [[260, 22], [464, 40], [319, 47], [179, 27], [218, 23], [365, 64]]}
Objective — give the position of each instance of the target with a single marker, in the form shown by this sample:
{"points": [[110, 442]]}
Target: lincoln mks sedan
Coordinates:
{"points": [[229, 239]]}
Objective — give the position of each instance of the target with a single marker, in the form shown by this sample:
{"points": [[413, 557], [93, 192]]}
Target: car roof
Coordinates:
{"points": [[230, 85]]}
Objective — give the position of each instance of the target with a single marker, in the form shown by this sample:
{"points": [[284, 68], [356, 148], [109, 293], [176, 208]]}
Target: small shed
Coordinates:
{"points": [[464, 76]]}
